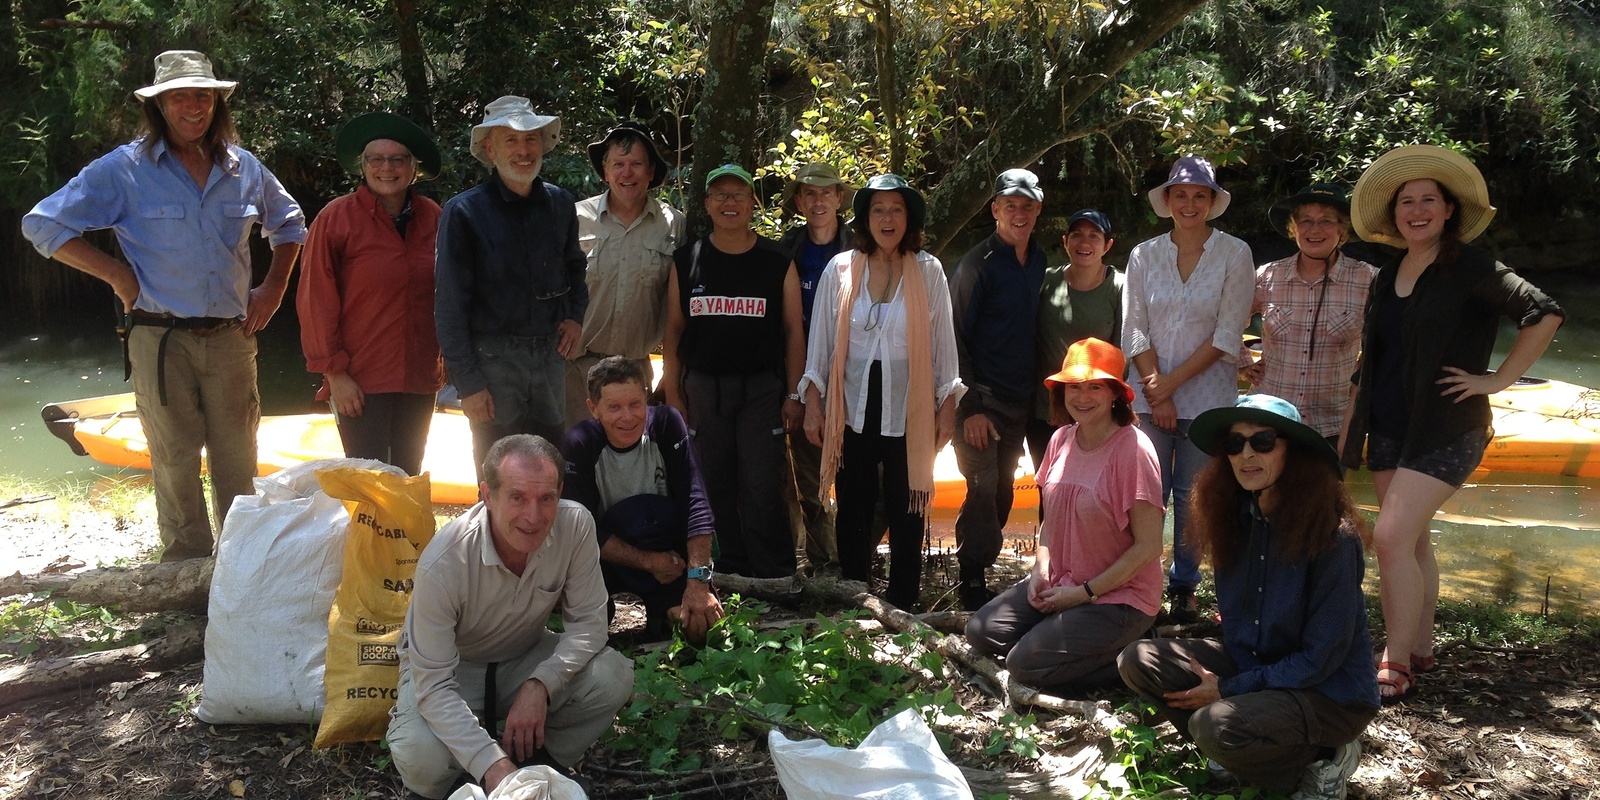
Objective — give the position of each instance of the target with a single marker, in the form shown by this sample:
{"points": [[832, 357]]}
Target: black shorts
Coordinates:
{"points": [[1451, 463]]}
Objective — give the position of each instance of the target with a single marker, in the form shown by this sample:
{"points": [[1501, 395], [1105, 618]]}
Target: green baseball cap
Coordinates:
{"points": [[730, 169]]}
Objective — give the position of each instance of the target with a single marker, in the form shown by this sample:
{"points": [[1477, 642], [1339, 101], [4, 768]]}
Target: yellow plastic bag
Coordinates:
{"points": [[391, 520]]}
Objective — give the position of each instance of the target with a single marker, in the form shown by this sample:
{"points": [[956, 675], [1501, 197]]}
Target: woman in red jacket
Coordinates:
{"points": [[366, 294]]}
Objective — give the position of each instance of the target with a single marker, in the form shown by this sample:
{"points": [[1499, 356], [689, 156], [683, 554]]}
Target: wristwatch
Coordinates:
{"points": [[701, 573], [795, 396]]}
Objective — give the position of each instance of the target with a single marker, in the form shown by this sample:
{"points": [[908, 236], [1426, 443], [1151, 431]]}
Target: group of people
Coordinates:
{"points": [[835, 363]]}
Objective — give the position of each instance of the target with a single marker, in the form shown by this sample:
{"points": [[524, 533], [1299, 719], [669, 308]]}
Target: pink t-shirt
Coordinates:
{"points": [[1088, 495]]}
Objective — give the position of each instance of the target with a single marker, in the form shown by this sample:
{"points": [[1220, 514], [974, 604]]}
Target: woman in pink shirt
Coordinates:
{"points": [[1095, 586]]}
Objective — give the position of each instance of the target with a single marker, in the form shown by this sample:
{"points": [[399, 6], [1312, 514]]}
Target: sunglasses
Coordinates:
{"points": [[1264, 441]]}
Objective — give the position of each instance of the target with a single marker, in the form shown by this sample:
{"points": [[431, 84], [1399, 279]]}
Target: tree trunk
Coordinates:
{"points": [[793, 590], [183, 643], [413, 64], [889, 83], [725, 122], [178, 586], [1042, 122]]}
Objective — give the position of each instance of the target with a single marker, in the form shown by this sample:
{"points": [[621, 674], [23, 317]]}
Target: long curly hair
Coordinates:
{"points": [[1316, 506]]}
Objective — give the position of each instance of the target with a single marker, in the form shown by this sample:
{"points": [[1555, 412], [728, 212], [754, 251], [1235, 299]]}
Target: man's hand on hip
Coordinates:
{"points": [[264, 302]]}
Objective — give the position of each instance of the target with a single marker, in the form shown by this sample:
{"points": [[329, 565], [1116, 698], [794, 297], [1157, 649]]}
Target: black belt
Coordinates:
{"points": [[199, 326]]}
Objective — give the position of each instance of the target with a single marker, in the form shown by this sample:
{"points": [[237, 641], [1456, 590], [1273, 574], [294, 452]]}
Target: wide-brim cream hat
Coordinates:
{"points": [[185, 69], [1371, 213], [517, 114]]}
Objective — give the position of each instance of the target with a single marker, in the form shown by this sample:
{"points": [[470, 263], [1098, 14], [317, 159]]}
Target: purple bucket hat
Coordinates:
{"points": [[1195, 171]]}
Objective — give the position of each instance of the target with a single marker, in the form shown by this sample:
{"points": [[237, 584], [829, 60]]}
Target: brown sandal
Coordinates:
{"points": [[1423, 665], [1404, 687]]}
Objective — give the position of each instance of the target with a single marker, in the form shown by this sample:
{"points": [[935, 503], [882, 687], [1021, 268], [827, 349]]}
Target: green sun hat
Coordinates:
{"points": [[357, 133], [1211, 427]]}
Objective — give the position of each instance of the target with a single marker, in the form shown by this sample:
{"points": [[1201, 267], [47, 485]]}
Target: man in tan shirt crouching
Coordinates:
{"points": [[475, 630]]}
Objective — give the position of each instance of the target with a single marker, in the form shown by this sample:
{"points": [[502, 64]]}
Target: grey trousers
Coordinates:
{"points": [[1266, 738], [991, 475], [578, 715], [527, 380], [211, 403], [1068, 651], [820, 542]]}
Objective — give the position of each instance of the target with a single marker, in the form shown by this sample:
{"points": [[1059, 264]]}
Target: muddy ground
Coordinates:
{"points": [[1498, 720]]}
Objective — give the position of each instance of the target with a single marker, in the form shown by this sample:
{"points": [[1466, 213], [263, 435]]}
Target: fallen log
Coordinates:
{"points": [[793, 590], [957, 649], [183, 643], [175, 586]]}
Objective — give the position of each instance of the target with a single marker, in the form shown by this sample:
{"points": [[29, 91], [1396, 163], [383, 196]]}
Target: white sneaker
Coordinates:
{"points": [[1328, 779]]}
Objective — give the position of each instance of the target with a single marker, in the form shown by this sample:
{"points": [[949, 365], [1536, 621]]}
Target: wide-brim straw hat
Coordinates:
{"points": [[1211, 427], [357, 133], [1322, 193], [1371, 205], [817, 173], [185, 69], [1195, 171], [1094, 360], [598, 150], [517, 114], [916, 207]]}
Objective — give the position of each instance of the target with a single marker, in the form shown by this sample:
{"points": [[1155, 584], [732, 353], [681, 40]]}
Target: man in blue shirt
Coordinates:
{"points": [[182, 200], [509, 295], [994, 297], [817, 193]]}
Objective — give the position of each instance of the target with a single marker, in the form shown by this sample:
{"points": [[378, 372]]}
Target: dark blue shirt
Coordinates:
{"points": [[810, 259], [507, 265], [1299, 625], [993, 300]]}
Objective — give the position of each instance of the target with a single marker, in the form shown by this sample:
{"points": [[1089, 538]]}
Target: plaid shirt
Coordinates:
{"points": [[1317, 383]]}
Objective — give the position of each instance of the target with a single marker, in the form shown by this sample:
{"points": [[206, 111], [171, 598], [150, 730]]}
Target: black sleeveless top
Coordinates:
{"points": [[732, 306]]}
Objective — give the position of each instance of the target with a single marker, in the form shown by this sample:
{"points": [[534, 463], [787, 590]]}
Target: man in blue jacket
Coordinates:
{"points": [[994, 298], [509, 295], [633, 467]]}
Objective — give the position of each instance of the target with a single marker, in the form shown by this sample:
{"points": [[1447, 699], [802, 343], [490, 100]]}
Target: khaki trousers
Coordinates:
{"points": [[211, 403], [578, 715]]}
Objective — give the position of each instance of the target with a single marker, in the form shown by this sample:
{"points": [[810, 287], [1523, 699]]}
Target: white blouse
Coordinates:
{"points": [[884, 343], [1163, 312]]}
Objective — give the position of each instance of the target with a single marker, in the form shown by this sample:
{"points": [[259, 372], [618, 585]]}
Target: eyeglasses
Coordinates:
{"points": [[1261, 441], [398, 162], [723, 197]]}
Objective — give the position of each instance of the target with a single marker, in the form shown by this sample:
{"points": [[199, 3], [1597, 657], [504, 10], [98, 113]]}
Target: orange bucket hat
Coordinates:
{"points": [[1093, 360]]}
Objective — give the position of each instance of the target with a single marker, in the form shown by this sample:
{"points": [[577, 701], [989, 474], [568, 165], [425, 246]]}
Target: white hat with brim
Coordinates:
{"points": [[184, 69], [1371, 210], [1195, 171], [517, 114]]}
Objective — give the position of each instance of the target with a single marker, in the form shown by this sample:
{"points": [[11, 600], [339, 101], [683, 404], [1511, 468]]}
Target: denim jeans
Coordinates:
{"points": [[1180, 461]]}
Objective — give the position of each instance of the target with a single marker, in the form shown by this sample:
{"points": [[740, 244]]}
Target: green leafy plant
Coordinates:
{"points": [[830, 680], [1149, 766], [25, 625]]}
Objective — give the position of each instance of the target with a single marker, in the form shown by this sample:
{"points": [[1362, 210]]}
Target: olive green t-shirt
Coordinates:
{"points": [[1066, 316]]}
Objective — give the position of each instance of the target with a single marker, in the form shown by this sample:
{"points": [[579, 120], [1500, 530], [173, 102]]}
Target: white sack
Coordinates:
{"points": [[278, 565], [528, 783], [899, 760]]}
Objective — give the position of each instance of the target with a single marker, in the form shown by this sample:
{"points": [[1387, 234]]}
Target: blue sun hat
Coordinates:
{"points": [[1211, 427]]}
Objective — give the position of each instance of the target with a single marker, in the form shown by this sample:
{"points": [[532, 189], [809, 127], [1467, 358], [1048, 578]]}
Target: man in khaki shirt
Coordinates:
{"points": [[628, 237], [475, 629]]}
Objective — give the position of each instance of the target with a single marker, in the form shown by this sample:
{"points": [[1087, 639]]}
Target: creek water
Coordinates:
{"points": [[1548, 556]]}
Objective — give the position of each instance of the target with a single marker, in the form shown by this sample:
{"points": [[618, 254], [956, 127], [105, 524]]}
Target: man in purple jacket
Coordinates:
{"points": [[632, 466]]}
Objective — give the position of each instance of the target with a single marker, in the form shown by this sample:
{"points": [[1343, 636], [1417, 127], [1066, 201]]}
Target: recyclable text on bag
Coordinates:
{"points": [[391, 520]]}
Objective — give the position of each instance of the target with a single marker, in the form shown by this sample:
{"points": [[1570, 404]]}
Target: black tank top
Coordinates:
{"points": [[733, 307]]}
